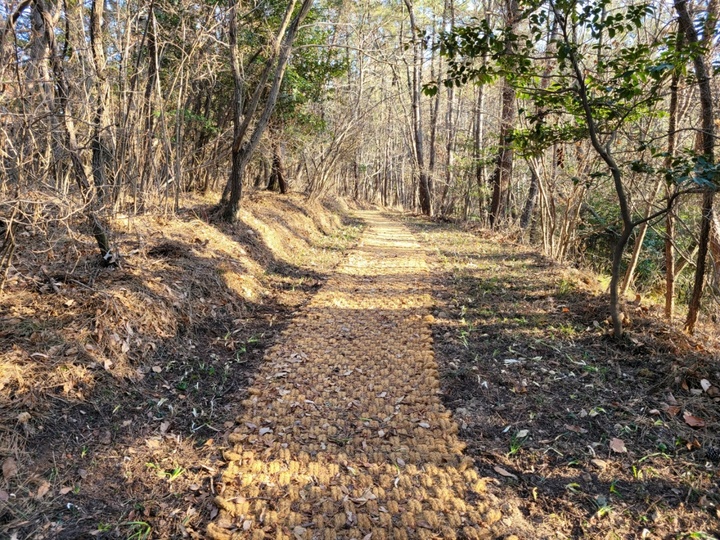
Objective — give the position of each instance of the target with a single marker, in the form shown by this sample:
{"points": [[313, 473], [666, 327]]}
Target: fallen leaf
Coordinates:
{"points": [[42, 490], [164, 426], [705, 384], [503, 472], [152, 443], [368, 536], [692, 420], [24, 417], [671, 399], [9, 468], [4, 496], [522, 434], [617, 445], [694, 445], [157, 369], [672, 410], [424, 425], [265, 430], [65, 490], [83, 473], [575, 429], [599, 463], [713, 391]]}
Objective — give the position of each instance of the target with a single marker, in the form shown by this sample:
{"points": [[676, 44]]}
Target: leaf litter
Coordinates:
{"points": [[585, 393], [101, 361]]}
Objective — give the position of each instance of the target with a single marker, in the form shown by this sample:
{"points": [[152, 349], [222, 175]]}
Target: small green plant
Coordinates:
{"points": [[574, 487], [603, 507], [104, 527], [139, 530], [516, 442], [174, 474], [565, 287]]}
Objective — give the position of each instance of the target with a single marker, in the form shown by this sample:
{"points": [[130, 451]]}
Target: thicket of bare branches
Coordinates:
{"points": [[110, 108]]}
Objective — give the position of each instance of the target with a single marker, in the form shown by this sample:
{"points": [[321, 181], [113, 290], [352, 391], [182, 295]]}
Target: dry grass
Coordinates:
{"points": [[541, 392], [115, 383]]}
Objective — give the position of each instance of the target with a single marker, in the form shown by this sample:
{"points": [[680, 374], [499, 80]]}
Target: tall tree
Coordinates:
{"points": [[706, 162], [249, 119], [415, 81]]}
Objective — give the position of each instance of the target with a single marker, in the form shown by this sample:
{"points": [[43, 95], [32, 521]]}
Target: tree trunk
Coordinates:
{"points": [[242, 150], [68, 126], [526, 216], [500, 179], [603, 151], [670, 217], [708, 144], [478, 143], [425, 197], [98, 145], [277, 175], [637, 247]]}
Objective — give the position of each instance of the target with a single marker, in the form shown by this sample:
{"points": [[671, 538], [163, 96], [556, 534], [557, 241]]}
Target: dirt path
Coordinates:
{"points": [[344, 434]]}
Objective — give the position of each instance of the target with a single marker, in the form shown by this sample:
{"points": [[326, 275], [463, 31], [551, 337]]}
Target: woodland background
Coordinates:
{"points": [[588, 127]]}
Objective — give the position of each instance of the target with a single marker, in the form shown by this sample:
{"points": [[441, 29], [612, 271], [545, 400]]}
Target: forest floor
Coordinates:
{"points": [[587, 436], [238, 381]]}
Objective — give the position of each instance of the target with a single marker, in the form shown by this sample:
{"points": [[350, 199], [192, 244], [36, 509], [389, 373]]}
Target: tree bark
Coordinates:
{"points": [[708, 144], [501, 177], [243, 148], [603, 150], [277, 181], [62, 96], [670, 217], [425, 196]]}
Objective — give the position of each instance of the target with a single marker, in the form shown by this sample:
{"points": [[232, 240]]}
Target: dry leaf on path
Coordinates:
{"points": [[692, 420], [42, 490], [617, 445], [705, 384], [672, 410], [575, 429], [503, 472], [9, 468]]}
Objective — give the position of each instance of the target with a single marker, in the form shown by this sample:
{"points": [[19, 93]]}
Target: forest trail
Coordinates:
{"points": [[344, 434]]}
